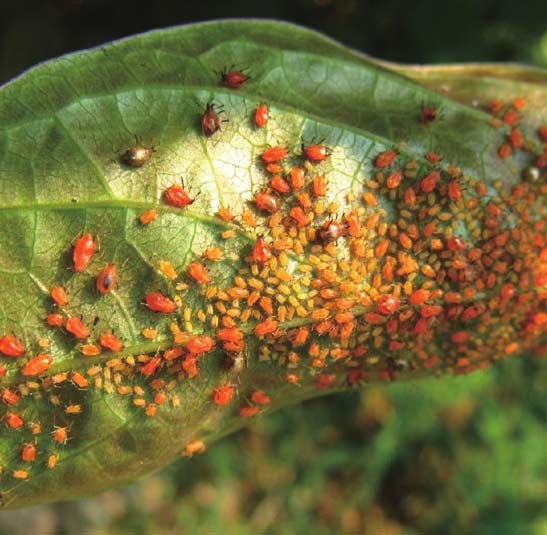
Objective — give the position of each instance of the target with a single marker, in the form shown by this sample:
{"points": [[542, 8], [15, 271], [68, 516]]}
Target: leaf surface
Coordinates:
{"points": [[64, 127]]}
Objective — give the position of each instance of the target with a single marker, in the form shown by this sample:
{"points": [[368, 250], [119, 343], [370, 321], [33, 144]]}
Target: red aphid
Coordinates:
{"points": [[198, 272], [55, 320], [274, 154], [76, 327], [106, 279], [233, 79], [279, 184], [267, 202], [229, 334], [394, 179], [59, 296], [111, 342], [318, 186], [261, 115], [297, 178], [13, 420], [28, 453], [455, 243], [151, 366], [454, 191], [316, 153], [11, 347], [268, 326], [428, 183], [177, 196], [428, 115], [260, 398], [248, 411], [388, 304], [158, 302], [261, 251], [37, 365], [200, 344], [385, 159], [9, 397], [83, 251], [223, 395]]}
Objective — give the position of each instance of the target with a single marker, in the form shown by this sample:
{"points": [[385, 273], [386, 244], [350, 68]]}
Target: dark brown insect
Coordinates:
{"points": [[332, 230], [137, 155], [210, 120]]}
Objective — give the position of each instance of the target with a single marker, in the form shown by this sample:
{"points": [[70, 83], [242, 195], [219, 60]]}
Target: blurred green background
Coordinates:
{"points": [[452, 456]]}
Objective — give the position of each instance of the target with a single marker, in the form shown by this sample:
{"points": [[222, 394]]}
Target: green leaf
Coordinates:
{"points": [[345, 308]]}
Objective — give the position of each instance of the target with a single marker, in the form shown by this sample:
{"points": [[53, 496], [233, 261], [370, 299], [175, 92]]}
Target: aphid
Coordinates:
{"points": [[167, 269], [455, 243], [151, 366], [454, 191], [260, 398], [90, 350], [261, 115], [332, 230], [158, 302], [137, 155], [261, 251], [59, 296], [37, 365], [223, 395], [388, 304], [200, 344], [76, 327], [315, 153], [198, 272], [148, 216], [28, 452], [274, 154], [297, 178], [173, 353], [394, 179], [106, 279], [52, 461], [210, 120], [177, 196], [60, 434], [429, 115], [428, 183], [13, 420], [385, 159], [248, 411], [279, 184], [233, 79], [83, 251], [194, 446], [267, 202], [73, 409], [55, 320], [79, 380], [20, 474], [9, 397], [11, 347], [268, 326], [318, 186]]}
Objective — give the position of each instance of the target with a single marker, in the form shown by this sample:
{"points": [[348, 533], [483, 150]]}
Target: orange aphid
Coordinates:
{"points": [[148, 216], [198, 272]]}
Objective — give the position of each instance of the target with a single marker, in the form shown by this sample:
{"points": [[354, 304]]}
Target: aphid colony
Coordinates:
{"points": [[329, 296]]}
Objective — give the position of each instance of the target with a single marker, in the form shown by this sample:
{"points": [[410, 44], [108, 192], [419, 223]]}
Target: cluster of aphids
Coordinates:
{"points": [[424, 270]]}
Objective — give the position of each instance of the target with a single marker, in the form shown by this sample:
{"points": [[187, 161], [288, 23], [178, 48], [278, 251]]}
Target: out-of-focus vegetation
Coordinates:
{"points": [[452, 456]]}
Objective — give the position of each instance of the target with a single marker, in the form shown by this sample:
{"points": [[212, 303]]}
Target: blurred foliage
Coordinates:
{"points": [[454, 456]]}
